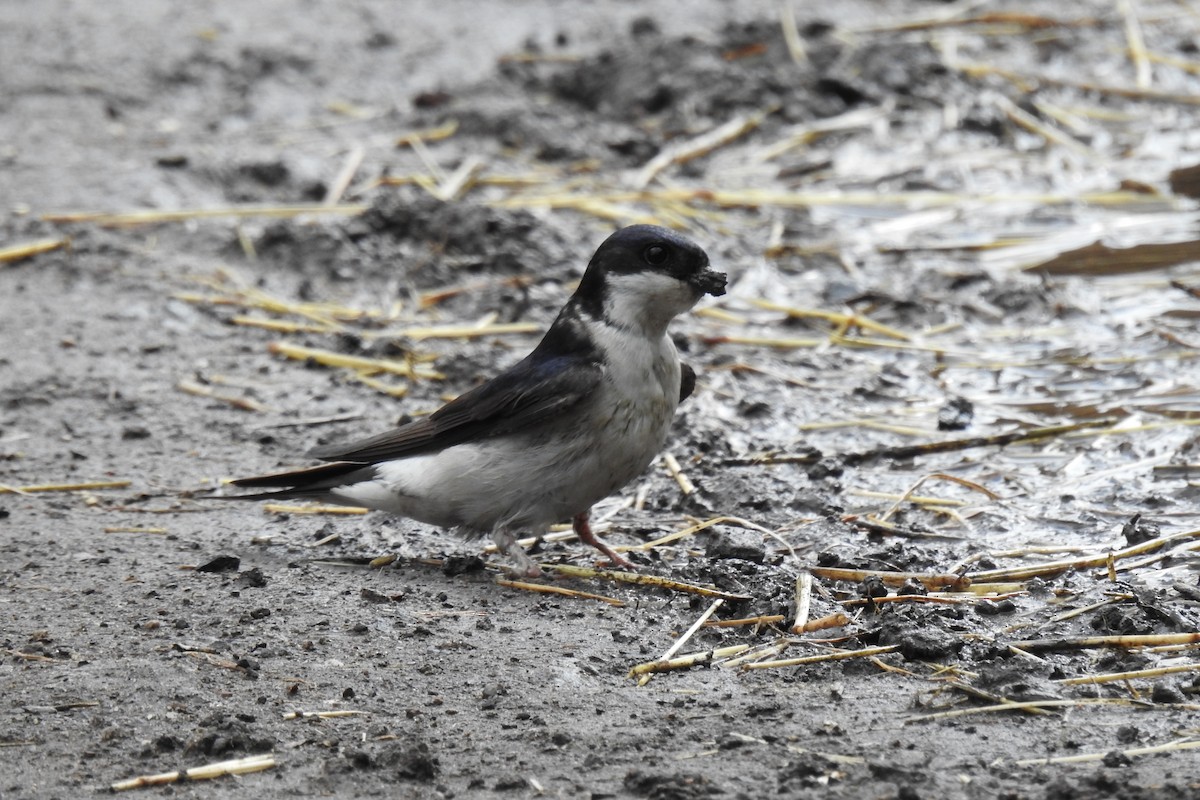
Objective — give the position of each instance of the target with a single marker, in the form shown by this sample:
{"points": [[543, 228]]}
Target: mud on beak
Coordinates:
{"points": [[709, 282]]}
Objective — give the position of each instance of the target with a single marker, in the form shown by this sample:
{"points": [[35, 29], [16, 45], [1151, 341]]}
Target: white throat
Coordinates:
{"points": [[646, 301]]}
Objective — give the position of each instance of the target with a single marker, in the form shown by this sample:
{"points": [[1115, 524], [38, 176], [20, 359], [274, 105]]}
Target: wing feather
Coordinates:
{"points": [[531, 392]]}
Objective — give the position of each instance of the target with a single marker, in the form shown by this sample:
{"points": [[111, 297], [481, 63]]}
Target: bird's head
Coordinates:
{"points": [[643, 276]]}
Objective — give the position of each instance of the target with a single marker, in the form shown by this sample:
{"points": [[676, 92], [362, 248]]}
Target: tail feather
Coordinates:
{"points": [[309, 482]]}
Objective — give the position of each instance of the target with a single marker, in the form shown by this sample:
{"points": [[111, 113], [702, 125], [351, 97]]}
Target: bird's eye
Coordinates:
{"points": [[656, 255]]}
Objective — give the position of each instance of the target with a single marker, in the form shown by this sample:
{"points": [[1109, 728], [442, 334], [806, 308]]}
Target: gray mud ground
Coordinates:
{"points": [[910, 176]]}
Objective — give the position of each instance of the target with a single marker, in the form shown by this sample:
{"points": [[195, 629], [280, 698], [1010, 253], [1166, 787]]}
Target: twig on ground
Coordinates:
{"points": [[642, 580], [64, 487], [542, 588], [834, 656], [804, 582], [934, 581], [1126, 641], [682, 640], [237, 766], [200, 390], [1083, 562], [1083, 758], [20, 252], [676, 472], [1110, 677]]}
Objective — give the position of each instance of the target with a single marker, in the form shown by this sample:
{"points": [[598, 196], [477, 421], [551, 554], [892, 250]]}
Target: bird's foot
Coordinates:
{"points": [[524, 565], [584, 531]]}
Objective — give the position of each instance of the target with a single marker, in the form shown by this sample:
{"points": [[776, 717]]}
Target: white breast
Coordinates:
{"points": [[636, 403]]}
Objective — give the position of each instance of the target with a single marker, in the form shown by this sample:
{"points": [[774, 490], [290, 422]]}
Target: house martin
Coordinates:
{"points": [[574, 421]]}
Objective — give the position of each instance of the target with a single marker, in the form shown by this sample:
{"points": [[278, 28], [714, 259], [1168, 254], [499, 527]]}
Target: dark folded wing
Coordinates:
{"points": [[687, 382], [531, 392]]}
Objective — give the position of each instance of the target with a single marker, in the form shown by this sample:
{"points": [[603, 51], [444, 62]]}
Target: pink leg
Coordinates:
{"points": [[584, 531]]}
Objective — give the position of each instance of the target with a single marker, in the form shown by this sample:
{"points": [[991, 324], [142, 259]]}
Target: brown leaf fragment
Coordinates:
{"points": [[1100, 259], [1185, 181]]}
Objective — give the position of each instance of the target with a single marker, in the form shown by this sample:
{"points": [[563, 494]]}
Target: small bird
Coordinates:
{"points": [[574, 421]]}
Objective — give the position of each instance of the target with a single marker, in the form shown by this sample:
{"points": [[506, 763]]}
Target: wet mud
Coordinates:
{"points": [[953, 383]]}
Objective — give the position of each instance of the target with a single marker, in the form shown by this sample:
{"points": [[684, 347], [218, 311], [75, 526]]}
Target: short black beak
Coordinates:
{"points": [[709, 282]]}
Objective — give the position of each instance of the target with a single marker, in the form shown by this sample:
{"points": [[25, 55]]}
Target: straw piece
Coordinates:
{"points": [[1084, 562], [682, 640], [542, 588], [32, 656], [20, 252], [847, 320], [248, 296], [418, 333], [765, 619], [781, 342], [699, 623], [150, 217], [323, 714], [1089, 608], [676, 472], [935, 599], [237, 766], [939, 476], [915, 499], [834, 620], [200, 390], [1137, 45], [1030, 80], [380, 386], [1032, 123], [444, 131], [1131, 675], [1018, 706], [756, 653], [281, 325], [893, 578], [791, 33], [804, 582], [996, 440], [283, 508], [686, 661], [330, 358], [64, 487], [643, 580], [994, 698], [1011, 18], [700, 145], [1127, 641], [1186, 744], [460, 180], [345, 175], [801, 135], [761, 198], [835, 656], [1172, 471], [691, 531]]}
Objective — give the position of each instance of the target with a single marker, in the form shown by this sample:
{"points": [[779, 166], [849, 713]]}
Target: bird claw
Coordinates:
{"points": [[616, 561], [524, 565], [530, 570]]}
